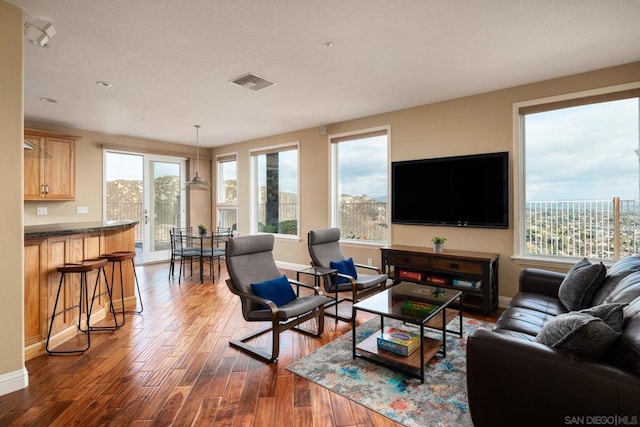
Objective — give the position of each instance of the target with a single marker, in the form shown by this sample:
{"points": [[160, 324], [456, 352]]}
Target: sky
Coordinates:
{"points": [[583, 153], [288, 171], [363, 167], [129, 166]]}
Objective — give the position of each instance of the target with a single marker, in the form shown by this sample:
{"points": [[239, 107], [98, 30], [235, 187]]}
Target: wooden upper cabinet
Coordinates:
{"points": [[49, 169]]}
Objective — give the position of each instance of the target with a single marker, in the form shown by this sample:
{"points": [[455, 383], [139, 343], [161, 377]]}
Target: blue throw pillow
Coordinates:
{"points": [[277, 290], [344, 266]]}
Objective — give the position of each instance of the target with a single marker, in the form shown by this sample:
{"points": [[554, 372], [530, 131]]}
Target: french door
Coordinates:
{"points": [[147, 188]]}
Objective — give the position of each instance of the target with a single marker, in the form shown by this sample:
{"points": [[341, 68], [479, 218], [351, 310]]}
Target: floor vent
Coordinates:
{"points": [[252, 81]]}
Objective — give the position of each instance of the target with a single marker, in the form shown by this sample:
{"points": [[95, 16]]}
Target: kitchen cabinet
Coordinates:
{"points": [[50, 168], [35, 287]]}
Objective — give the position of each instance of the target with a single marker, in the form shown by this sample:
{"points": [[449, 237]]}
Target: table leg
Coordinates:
{"points": [[421, 353], [460, 314], [444, 333], [201, 260], [353, 331]]}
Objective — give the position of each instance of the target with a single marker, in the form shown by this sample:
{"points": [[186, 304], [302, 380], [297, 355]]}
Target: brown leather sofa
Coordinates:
{"points": [[514, 380]]}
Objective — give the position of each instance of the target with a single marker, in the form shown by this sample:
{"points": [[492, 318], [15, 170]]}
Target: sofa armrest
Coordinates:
{"points": [[540, 281], [517, 382]]}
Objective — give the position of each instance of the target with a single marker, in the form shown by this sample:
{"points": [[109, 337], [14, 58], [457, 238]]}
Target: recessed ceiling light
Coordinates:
{"points": [[328, 44], [49, 100], [103, 83]]}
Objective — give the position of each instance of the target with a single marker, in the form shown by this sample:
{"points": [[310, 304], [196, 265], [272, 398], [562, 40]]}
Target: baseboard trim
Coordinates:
{"points": [[291, 266], [13, 381], [39, 348], [503, 302]]}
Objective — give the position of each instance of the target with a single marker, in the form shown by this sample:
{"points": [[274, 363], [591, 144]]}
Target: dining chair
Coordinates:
{"points": [[182, 250], [213, 252]]}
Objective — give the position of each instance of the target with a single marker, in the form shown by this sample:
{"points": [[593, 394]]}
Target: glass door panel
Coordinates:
{"points": [[146, 189], [124, 191], [164, 205]]}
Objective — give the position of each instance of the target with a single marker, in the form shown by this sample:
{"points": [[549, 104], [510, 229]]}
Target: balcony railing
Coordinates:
{"points": [[166, 216], [363, 221], [287, 219], [358, 220], [600, 229]]}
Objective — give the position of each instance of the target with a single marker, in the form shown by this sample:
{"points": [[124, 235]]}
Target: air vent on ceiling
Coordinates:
{"points": [[252, 81]]}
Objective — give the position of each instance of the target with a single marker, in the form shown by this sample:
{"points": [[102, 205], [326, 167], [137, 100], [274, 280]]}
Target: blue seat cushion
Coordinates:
{"points": [[344, 266], [277, 290]]}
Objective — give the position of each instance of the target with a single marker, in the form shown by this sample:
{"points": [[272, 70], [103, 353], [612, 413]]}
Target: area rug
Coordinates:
{"points": [[440, 401]]}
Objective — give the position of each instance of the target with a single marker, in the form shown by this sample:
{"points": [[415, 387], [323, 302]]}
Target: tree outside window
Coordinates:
{"points": [[275, 177]]}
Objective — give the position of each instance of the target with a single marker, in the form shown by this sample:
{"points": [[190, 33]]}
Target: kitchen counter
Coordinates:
{"points": [[48, 246], [49, 230]]}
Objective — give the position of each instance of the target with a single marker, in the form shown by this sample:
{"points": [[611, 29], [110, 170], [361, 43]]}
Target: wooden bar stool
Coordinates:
{"points": [[120, 257], [82, 268]]}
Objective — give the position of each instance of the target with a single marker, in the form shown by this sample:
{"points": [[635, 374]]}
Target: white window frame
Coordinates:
{"points": [[253, 157], [334, 193], [519, 199], [220, 203]]}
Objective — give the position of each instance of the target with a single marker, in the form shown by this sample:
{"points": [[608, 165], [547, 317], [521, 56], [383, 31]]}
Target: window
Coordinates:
{"points": [[227, 192], [275, 192], [359, 163], [580, 180]]}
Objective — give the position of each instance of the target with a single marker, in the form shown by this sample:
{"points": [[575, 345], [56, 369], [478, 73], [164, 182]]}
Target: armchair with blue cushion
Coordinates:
{"points": [[325, 252], [267, 295]]}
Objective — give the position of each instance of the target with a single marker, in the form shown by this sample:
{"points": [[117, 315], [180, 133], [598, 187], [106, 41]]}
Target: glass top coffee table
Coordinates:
{"points": [[424, 306]]}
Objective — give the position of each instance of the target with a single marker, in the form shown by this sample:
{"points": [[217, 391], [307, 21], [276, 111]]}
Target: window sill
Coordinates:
{"points": [[550, 262], [285, 236], [361, 243]]}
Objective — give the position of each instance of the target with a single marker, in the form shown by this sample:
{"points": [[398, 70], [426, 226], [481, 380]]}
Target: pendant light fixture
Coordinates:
{"points": [[197, 180]]}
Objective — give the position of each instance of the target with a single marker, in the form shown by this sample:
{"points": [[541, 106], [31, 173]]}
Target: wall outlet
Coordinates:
{"points": [[82, 210], [41, 210], [369, 261]]}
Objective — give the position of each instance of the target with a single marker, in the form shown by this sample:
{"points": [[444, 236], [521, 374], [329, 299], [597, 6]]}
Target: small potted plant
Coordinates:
{"points": [[202, 229], [438, 244]]}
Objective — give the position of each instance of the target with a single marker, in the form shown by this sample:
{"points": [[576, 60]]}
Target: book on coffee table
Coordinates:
{"points": [[417, 308], [399, 341]]}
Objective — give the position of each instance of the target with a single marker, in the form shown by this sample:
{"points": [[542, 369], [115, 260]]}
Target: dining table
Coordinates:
{"points": [[205, 242]]}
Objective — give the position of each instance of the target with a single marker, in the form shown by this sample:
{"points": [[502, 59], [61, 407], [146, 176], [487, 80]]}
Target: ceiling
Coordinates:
{"points": [[170, 62]]}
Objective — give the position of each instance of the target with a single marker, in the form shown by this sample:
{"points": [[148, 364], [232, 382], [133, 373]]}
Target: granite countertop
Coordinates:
{"points": [[48, 230]]}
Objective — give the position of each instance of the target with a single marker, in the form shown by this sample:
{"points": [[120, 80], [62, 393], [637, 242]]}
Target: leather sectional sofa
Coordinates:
{"points": [[512, 379]]}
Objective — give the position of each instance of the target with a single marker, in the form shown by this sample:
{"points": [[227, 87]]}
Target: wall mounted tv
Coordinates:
{"points": [[463, 191]]}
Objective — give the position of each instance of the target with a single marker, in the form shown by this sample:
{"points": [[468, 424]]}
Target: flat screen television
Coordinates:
{"points": [[463, 191]]}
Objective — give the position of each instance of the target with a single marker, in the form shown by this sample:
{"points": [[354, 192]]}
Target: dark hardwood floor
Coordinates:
{"points": [[173, 365]]}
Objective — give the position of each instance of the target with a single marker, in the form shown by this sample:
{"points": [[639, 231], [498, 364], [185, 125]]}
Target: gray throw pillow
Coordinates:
{"points": [[580, 284], [578, 333], [612, 314]]}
